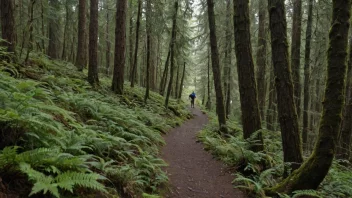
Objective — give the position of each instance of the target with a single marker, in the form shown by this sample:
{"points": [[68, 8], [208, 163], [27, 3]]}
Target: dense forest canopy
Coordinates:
{"points": [[88, 86]]}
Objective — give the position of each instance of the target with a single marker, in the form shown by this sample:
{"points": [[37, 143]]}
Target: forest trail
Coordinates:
{"points": [[192, 171]]}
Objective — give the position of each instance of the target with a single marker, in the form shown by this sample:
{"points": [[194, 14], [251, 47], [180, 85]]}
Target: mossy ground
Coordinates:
{"points": [[61, 137]]}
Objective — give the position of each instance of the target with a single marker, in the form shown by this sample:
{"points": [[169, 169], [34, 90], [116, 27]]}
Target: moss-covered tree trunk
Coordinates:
{"points": [[81, 57], [291, 138], [8, 25], [130, 44], [314, 169], [135, 58], [165, 74], [30, 25], [177, 80], [296, 53], [54, 30], [228, 55], [149, 48], [182, 80], [220, 108], [307, 75], [271, 110], [344, 147], [120, 47], [208, 104], [261, 58], [93, 43], [107, 37], [245, 69], [172, 55]]}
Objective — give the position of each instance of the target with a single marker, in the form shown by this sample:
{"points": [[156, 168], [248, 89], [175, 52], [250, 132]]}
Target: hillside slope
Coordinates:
{"points": [[60, 137]]}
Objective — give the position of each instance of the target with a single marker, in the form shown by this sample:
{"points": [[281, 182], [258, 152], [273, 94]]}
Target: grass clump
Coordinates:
{"points": [[60, 137]]}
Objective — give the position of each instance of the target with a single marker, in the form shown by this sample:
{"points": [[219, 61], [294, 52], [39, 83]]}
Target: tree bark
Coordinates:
{"points": [[307, 75], [182, 80], [135, 59], [130, 56], [108, 44], [93, 44], [208, 104], [120, 47], [261, 58], [296, 53], [173, 40], [245, 69], [54, 30], [291, 137], [81, 57], [8, 25], [177, 79], [30, 25], [344, 147], [314, 170], [271, 111], [220, 108], [165, 74], [67, 8], [149, 48], [227, 67]]}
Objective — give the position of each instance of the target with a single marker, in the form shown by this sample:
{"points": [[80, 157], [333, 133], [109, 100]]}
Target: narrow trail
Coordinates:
{"points": [[193, 172]]}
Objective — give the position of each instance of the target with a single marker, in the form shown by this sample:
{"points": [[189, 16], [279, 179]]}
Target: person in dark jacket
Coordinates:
{"points": [[192, 96]]}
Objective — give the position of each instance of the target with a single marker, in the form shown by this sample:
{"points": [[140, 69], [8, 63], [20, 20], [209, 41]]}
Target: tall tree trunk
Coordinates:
{"points": [[307, 75], [315, 168], [165, 74], [8, 25], [245, 68], [228, 50], [296, 53], [108, 44], [67, 8], [149, 48], [291, 137], [30, 25], [228, 96], [54, 31], [177, 79], [173, 40], [271, 113], [220, 108], [130, 42], [344, 147], [261, 58], [135, 59], [204, 92], [120, 47], [43, 24], [93, 43], [182, 80], [152, 66], [81, 57], [208, 104]]}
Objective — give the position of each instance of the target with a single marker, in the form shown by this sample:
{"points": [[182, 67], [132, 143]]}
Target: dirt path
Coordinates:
{"points": [[193, 172]]}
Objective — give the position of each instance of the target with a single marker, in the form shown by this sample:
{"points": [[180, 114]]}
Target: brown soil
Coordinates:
{"points": [[192, 171]]}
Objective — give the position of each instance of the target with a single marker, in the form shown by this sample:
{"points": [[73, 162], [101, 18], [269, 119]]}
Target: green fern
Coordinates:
{"points": [[66, 181], [303, 193]]}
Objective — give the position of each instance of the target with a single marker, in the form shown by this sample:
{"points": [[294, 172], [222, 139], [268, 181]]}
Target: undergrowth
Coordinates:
{"points": [[255, 171], [59, 137]]}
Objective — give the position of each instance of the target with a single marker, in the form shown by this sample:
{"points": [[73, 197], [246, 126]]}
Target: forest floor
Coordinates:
{"points": [[192, 171]]}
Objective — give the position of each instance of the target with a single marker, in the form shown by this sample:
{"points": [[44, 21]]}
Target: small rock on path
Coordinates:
{"points": [[192, 171]]}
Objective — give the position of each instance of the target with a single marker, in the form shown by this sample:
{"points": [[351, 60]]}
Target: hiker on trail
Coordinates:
{"points": [[192, 96]]}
